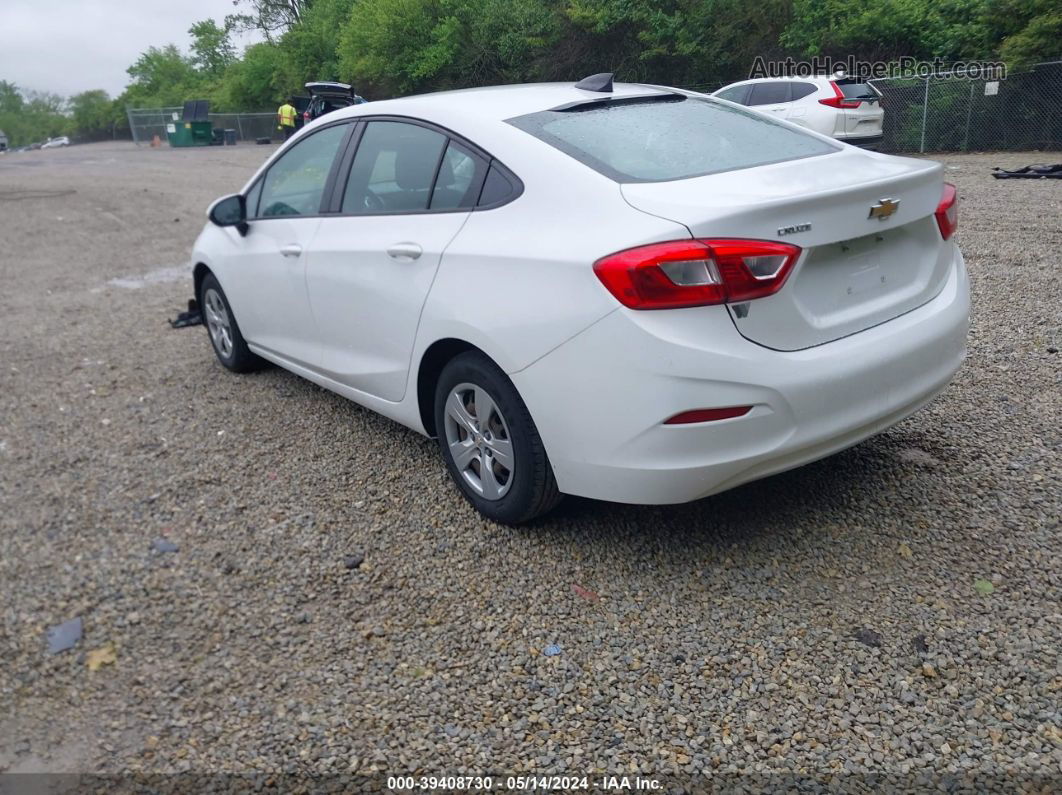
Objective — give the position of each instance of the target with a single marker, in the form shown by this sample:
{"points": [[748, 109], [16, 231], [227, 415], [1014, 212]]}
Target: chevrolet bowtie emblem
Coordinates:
{"points": [[883, 209]]}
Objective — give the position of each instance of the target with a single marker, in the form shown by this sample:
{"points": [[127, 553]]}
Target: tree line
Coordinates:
{"points": [[395, 47]]}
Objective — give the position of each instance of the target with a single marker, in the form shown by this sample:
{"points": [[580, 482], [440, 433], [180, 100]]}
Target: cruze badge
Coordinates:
{"points": [[883, 209], [792, 230]]}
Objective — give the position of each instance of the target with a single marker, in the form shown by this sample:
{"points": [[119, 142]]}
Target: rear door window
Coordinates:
{"points": [[394, 169], [770, 93], [668, 137]]}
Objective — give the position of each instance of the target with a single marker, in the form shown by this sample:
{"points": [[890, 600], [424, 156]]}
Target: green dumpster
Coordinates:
{"points": [[193, 128], [189, 133]]}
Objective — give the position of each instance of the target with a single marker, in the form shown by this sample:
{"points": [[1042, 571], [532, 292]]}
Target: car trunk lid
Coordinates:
{"points": [[866, 118], [330, 89], [871, 248]]}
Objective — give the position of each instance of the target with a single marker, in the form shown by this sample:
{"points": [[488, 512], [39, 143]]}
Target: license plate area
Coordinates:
{"points": [[853, 267], [841, 288]]}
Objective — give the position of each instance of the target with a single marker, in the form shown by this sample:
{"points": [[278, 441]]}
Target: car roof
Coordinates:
{"points": [[497, 103], [821, 80], [794, 78]]}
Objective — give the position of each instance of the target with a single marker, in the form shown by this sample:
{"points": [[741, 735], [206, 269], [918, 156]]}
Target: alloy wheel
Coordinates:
{"points": [[478, 441], [218, 323]]}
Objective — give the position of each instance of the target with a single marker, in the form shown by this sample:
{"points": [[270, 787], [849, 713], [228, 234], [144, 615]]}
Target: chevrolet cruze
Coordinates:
{"points": [[625, 292]]}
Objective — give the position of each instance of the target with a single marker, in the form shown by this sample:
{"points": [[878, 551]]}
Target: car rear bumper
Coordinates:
{"points": [[862, 140], [599, 400]]}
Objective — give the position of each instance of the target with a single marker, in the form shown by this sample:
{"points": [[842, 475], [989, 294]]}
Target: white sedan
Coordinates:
{"points": [[624, 292]]}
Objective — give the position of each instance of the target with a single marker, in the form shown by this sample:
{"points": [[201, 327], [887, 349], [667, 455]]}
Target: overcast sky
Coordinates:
{"points": [[68, 46]]}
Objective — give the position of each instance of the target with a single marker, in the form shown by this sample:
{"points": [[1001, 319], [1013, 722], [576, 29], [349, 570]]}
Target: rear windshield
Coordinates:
{"points": [[857, 91], [664, 138]]}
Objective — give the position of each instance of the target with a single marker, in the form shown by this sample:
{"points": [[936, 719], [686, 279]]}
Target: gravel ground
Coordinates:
{"points": [[333, 605]]}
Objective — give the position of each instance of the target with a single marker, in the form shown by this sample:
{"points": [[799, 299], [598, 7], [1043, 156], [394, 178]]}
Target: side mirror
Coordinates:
{"points": [[230, 211]]}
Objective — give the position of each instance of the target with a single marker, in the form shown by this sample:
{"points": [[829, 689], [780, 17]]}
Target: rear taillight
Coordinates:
{"points": [[838, 100], [948, 211], [684, 273]]}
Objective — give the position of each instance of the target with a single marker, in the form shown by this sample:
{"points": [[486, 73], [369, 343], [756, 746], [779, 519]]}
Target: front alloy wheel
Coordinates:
{"points": [[217, 318], [229, 344]]}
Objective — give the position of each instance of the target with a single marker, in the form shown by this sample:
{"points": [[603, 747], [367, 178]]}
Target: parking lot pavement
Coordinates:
{"points": [[329, 603]]}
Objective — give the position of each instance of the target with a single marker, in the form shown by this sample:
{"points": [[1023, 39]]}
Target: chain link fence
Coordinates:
{"points": [[146, 123], [1022, 112]]}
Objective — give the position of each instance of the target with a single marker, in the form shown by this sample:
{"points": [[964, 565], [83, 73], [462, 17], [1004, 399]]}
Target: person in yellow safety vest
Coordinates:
{"points": [[286, 118]]}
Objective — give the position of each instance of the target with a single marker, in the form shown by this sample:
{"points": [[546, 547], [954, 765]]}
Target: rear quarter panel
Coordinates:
{"points": [[518, 280]]}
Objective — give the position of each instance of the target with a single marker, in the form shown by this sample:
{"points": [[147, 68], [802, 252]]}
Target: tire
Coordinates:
{"points": [[502, 468], [225, 337]]}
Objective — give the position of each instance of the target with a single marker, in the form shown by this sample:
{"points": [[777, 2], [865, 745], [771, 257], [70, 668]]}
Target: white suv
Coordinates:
{"points": [[840, 107]]}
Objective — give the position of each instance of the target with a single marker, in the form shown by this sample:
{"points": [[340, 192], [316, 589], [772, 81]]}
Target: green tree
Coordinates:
{"points": [[393, 47], [310, 49], [1027, 30], [212, 51], [679, 42], [93, 115], [885, 30], [400, 46], [1019, 31], [10, 97], [270, 17], [162, 77], [30, 116], [254, 82]]}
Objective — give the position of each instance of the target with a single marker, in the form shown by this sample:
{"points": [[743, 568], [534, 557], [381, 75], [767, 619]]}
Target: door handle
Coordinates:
{"points": [[291, 250], [404, 252]]}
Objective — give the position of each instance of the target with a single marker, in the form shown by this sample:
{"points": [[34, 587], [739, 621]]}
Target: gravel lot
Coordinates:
{"points": [[825, 622]]}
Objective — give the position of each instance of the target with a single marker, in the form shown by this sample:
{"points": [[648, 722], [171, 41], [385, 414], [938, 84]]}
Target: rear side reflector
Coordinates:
{"points": [[948, 211], [684, 273], [708, 415]]}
